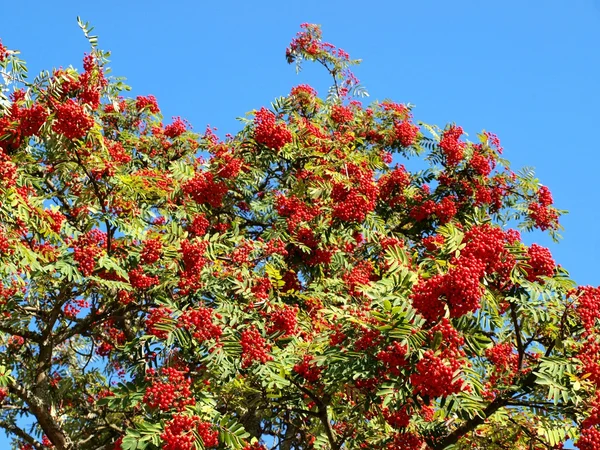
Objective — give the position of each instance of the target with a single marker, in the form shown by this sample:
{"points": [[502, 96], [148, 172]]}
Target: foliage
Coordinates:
{"points": [[295, 287]]}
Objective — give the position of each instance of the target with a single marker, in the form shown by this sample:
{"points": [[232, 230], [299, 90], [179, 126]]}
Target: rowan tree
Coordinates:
{"points": [[290, 287]]}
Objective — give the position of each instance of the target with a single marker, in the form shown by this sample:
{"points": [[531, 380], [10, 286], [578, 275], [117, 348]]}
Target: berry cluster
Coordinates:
{"points": [[192, 256], [178, 433], [296, 211], [254, 348], [392, 185], [151, 252], [172, 393], [117, 152], [341, 114], [360, 275], [203, 189], [284, 320], [262, 287], [139, 280], [451, 145], [177, 128], [434, 376], [3, 52], [589, 439], [588, 305], [406, 133], [200, 323], [352, 203], [268, 132], [71, 120], [199, 225], [241, 254], [87, 249], [149, 102], [397, 419], [540, 262], [393, 358], [405, 441], [308, 370], [56, 219], [505, 361]]}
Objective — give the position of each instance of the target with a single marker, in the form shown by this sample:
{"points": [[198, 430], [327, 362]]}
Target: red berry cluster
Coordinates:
{"points": [[352, 203], [406, 133], [3, 52], [459, 288], [540, 262], [200, 323], [20, 123], [170, 392], [199, 225], [56, 219], [86, 250], [117, 152], [451, 342], [291, 282], [588, 305], [268, 132], [151, 252], [296, 211], [149, 102], [360, 275], [446, 209], [589, 357], [178, 433], [71, 120], [422, 210], [3, 394], [589, 439], [177, 128], [8, 170], [203, 189], [451, 145], [254, 348], [262, 287], [284, 320], [275, 247], [393, 358], [241, 254], [367, 338], [303, 96], [541, 213], [397, 419], [308, 370], [228, 167], [392, 185], [481, 164], [255, 446], [341, 114], [192, 256], [505, 361], [139, 280], [434, 376]]}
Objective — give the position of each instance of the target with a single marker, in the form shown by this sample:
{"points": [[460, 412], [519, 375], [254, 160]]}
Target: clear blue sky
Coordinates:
{"points": [[526, 70]]}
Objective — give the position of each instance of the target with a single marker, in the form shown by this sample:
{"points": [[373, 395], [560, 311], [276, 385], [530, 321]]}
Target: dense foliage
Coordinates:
{"points": [[296, 287]]}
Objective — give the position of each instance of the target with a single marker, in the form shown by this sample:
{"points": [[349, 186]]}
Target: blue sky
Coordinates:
{"points": [[527, 71]]}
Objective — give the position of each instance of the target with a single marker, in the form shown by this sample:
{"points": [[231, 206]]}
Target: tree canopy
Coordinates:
{"points": [[293, 286]]}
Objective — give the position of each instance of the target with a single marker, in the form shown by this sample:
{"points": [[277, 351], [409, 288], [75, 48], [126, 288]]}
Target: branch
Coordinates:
{"points": [[12, 428], [520, 348]]}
